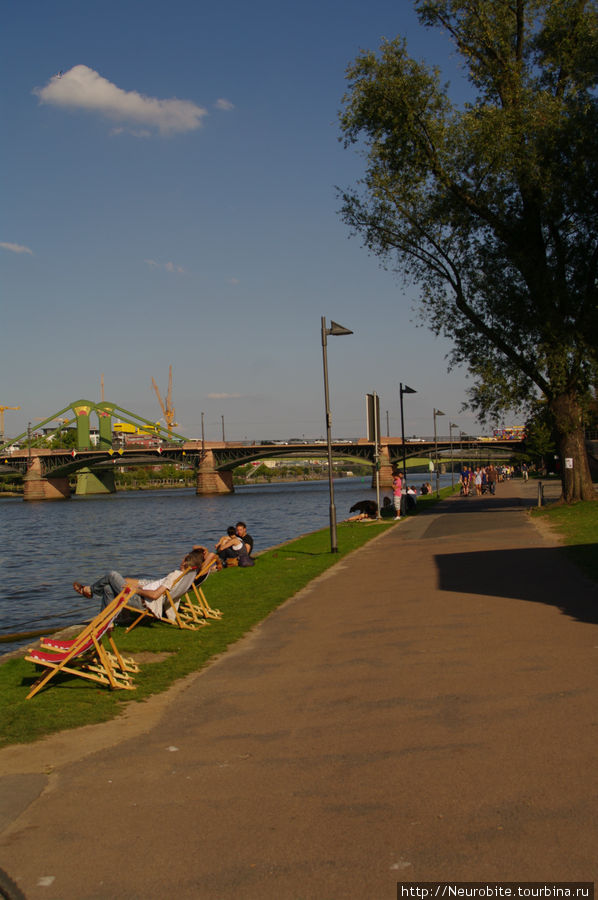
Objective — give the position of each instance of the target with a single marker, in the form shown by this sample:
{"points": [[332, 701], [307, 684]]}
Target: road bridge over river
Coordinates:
{"points": [[47, 472]]}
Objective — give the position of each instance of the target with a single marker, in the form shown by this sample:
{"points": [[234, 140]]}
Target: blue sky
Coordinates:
{"points": [[170, 199]]}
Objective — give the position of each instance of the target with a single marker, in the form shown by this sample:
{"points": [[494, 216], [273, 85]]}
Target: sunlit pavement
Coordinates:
{"points": [[424, 711]]}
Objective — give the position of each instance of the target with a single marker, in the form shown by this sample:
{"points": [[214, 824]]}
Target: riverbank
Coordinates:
{"points": [[139, 533], [167, 654], [162, 485]]}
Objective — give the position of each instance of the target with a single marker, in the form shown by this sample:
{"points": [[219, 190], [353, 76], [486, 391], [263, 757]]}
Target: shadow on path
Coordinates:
{"points": [[535, 574]]}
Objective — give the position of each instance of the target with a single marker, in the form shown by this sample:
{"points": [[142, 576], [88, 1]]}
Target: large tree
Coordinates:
{"points": [[491, 205]]}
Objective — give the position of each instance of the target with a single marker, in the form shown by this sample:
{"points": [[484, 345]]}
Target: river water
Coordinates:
{"points": [[46, 546]]}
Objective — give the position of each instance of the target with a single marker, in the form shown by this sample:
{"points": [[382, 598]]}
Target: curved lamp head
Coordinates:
{"points": [[335, 328]]}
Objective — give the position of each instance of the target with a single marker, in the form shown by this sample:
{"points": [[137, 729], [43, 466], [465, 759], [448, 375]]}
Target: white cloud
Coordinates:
{"points": [[224, 396], [222, 103], [82, 88], [169, 266], [15, 248]]}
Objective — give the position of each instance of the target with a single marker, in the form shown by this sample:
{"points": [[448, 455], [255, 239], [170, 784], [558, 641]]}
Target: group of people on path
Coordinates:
{"points": [[481, 480], [478, 481], [234, 548]]}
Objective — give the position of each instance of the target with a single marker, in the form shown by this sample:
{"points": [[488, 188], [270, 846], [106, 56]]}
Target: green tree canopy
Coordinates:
{"points": [[64, 438], [491, 207]]}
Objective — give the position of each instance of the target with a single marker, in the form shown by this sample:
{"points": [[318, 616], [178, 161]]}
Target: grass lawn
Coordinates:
{"points": [[578, 525]]}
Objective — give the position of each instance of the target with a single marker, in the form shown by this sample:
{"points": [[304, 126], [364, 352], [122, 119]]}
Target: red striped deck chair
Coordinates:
{"points": [[85, 656], [119, 662], [171, 613]]}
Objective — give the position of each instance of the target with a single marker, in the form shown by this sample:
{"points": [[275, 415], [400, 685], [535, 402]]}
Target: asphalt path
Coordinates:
{"points": [[425, 711]]}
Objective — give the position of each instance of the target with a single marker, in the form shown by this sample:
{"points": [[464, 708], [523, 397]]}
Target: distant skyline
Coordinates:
{"points": [[170, 198]]}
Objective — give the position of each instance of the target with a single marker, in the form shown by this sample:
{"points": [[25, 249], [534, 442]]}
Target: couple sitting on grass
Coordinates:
{"points": [[235, 547]]}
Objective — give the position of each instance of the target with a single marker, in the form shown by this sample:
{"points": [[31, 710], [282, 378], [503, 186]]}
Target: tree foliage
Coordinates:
{"points": [[491, 207], [65, 438], [539, 443]]}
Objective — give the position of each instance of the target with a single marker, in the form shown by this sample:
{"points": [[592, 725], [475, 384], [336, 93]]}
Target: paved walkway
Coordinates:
{"points": [[427, 710]]}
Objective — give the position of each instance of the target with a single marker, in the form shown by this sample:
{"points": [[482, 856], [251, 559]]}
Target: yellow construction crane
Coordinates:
{"points": [[2, 408], [167, 408]]}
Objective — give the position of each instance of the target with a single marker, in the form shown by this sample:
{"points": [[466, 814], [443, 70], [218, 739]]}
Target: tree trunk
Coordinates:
{"points": [[575, 470]]}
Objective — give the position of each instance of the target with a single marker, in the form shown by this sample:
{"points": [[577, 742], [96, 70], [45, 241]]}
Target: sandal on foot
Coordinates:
{"points": [[83, 589]]}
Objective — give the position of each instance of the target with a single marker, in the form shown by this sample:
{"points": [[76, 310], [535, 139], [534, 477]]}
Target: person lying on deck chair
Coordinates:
{"points": [[149, 593]]}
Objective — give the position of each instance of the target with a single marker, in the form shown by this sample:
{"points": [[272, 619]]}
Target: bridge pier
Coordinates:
{"points": [[386, 470], [210, 480], [89, 482], [37, 487]]}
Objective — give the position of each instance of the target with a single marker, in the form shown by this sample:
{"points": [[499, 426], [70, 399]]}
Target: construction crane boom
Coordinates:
{"points": [[167, 408], [2, 408]]}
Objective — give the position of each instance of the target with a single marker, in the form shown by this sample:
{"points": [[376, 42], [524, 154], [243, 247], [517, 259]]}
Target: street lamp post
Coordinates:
{"points": [[451, 426], [437, 412], [334, 329], [373, 425], [404, 389]]}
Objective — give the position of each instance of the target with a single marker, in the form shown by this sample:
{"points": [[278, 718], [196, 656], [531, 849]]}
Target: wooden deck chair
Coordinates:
{"points": [[172, 615], [194, 603], [122, 663], [85, 656]]}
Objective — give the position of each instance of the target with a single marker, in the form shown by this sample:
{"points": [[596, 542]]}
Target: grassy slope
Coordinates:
{"points": [[578, 526]]}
